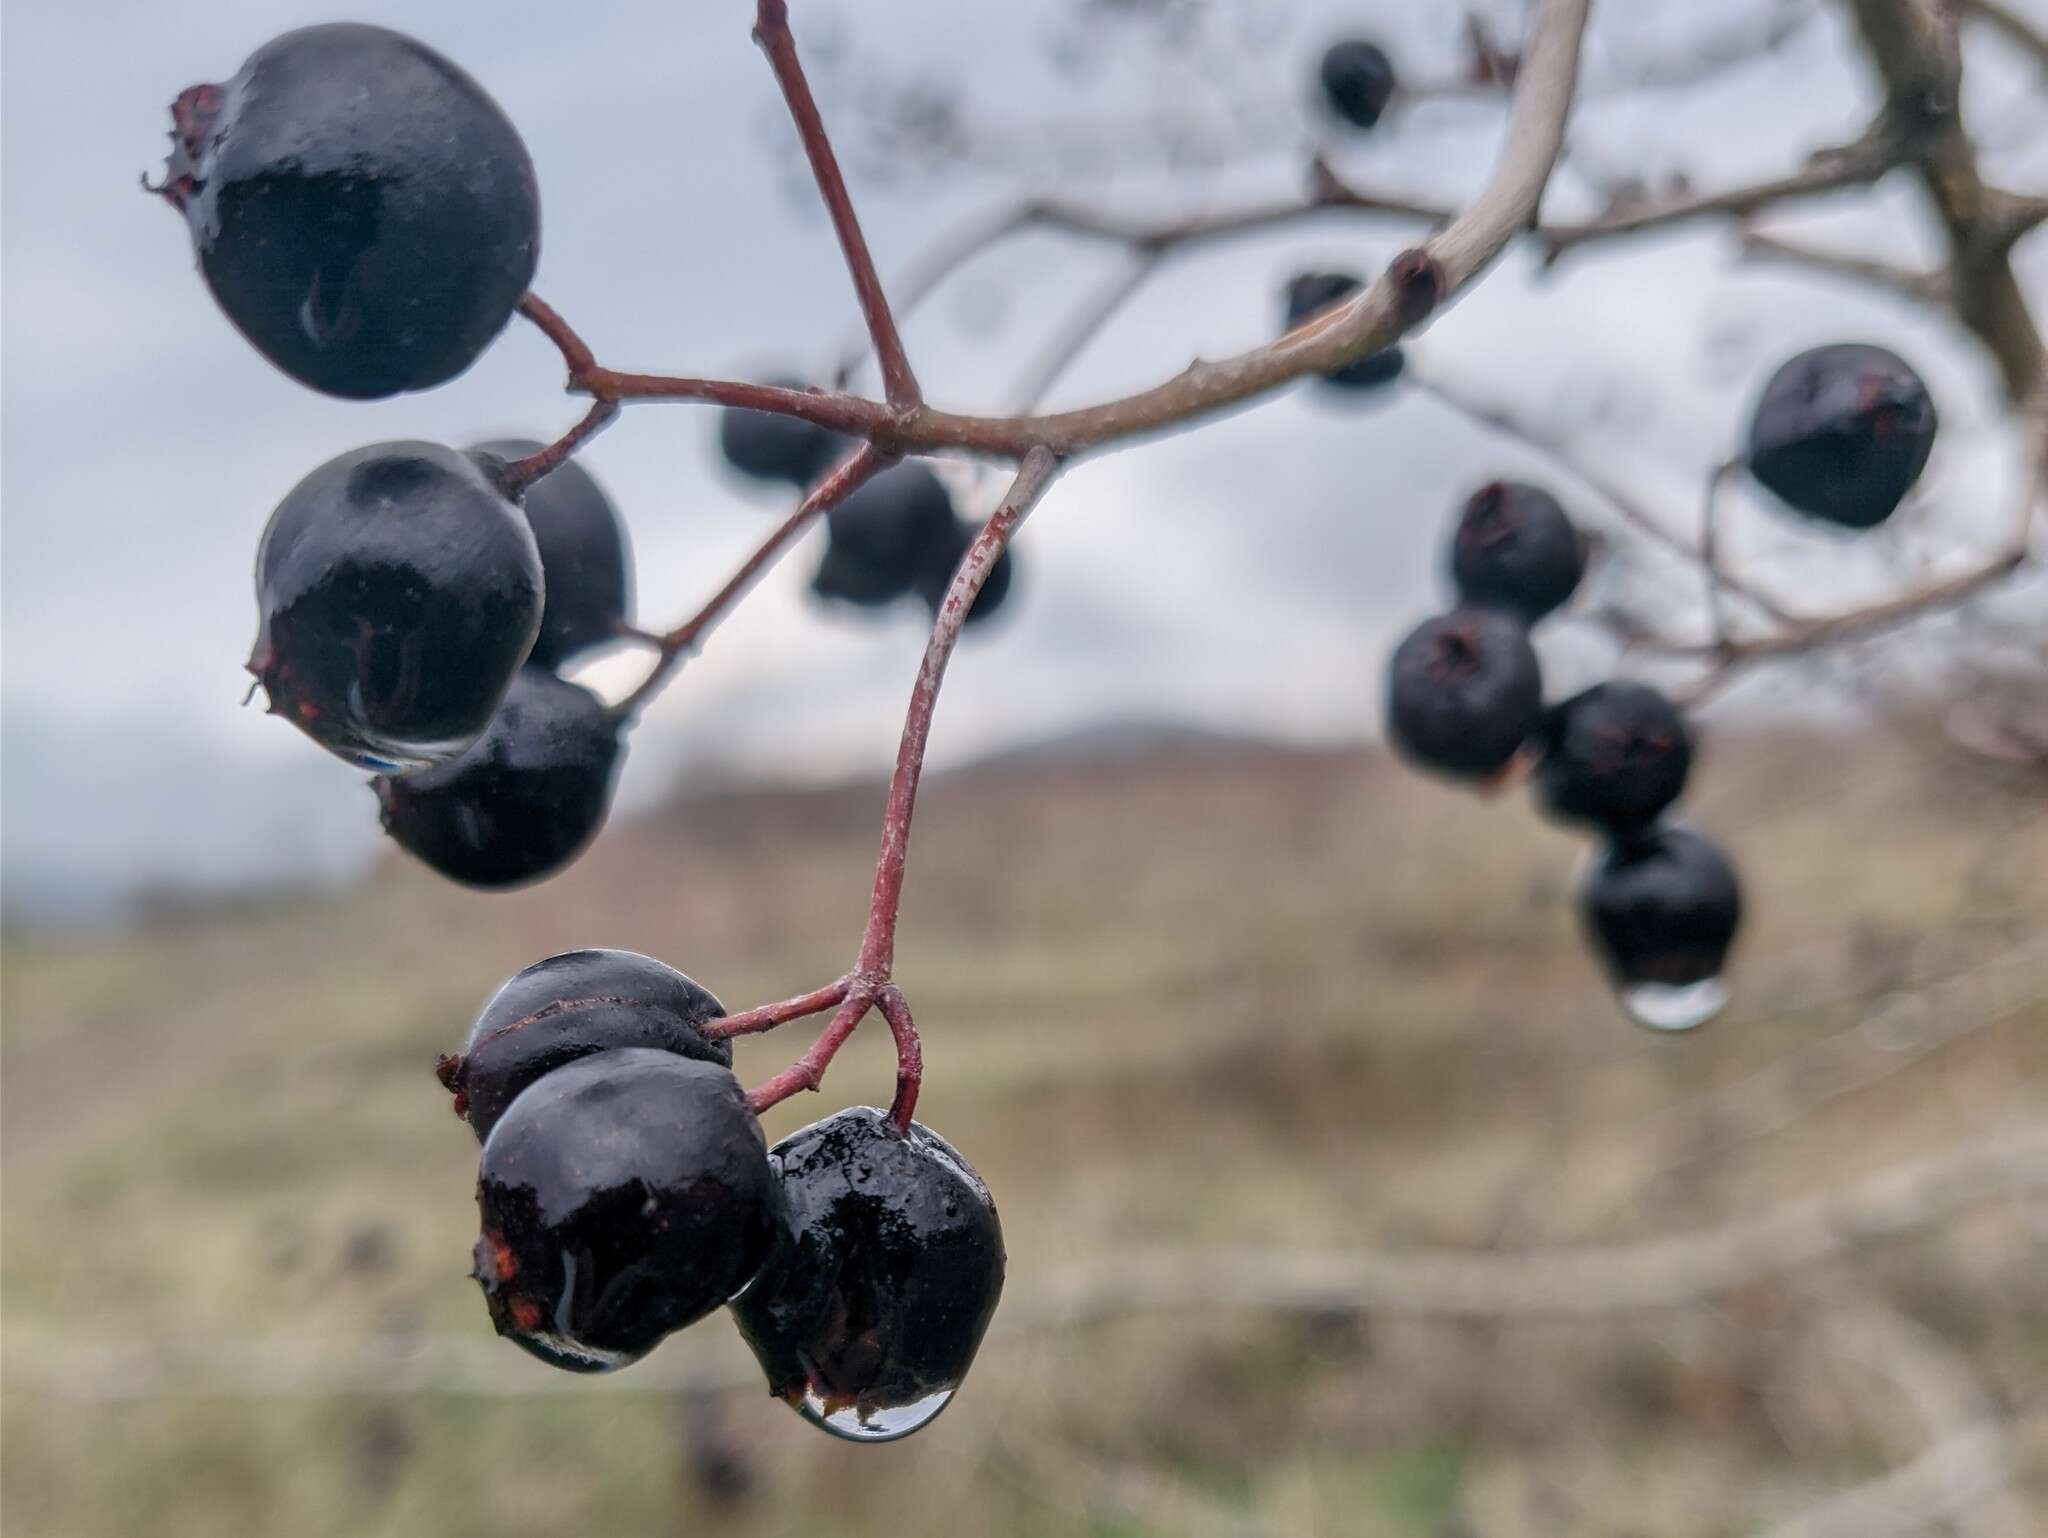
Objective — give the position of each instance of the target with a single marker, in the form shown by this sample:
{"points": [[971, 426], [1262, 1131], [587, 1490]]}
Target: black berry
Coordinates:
{"points": [[887, 537], [938, 575], [1464, 692], [1841, 433], [1310, 294], [870, 1310], [572, 1006], [1515, 549], [1662, 908], [363, 212], [1358, 82], [623, 1196], [397, 594], [521, 801], [584, 554], [772, 447], [1614, 757]]}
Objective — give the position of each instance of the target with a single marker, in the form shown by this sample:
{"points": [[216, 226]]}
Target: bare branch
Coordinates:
{"points": [[2015, 27], [1906, 282], [1081, 327]]}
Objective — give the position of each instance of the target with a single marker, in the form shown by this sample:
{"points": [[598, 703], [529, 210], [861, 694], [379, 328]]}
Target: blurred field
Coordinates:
{"points": [[1237, 1000]]}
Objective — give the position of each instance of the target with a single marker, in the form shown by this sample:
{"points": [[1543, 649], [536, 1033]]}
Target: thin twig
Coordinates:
{"points": [[1081, 327], [517, 476], [767, 1017], [1906, 282]]}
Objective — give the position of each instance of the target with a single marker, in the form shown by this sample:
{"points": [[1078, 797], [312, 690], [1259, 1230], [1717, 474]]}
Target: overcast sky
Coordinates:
{"points": [[145, 444]]}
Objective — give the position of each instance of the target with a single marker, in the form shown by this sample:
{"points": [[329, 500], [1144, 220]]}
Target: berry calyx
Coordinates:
{"points": [[521, 801], [397, 593], [890, 1262], [887, 536], [1614, 757], [622, 1196], [1661, 909], [1515, 549], [1358, 81], [573, 1006], [1842, 432], [584, 554], [363, 212], [1310, 294], [1464, 692], [769, 446]]}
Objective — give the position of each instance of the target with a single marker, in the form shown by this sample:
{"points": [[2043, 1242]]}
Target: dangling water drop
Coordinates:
{"points": [[872, 1425], [1675, 1007]]}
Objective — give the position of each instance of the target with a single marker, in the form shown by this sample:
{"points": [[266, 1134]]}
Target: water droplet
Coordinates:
{"points": [[1675, 1007], [874, 1425]]}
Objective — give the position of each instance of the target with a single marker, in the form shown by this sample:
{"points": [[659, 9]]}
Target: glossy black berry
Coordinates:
{"points": [[1841, 433], [938, 575], [623, 1196], [869, 1312], [573, 1006], [397, 594], [584, 554], [1313, 292], [1358, 82], [886, 537], [1662, 908], [1464, 692], [362, 210], [1614, 757], [521, 801], [1515, 549], [771, 447]]}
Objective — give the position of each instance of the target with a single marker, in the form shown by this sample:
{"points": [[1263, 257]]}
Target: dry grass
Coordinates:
{"points": [[1243, 998]]}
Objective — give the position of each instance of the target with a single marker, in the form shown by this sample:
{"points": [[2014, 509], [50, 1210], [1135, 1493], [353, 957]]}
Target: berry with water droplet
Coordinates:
{"points": [[870, 1310], [1464, 692], [623, 1196], [1661, 910], [521, 801], [1515, 549], [1842, 432], [772, 447], [1310, 294], [397, 592], [886, 537], [584, 554], [573, 1006], [938, 575], [361, 209], [1614, 756], [1358, 81]]}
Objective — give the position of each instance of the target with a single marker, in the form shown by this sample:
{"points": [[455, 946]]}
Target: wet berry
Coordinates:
{"points": [[572, 1006], [938, 575], [363, 212], [397, 594], [623, 1196], [1310, 294], [887, 536], [521, 801], [771, 447], [1358, 82], [1464, 692], [1841, 433], [1515, 549], [584, 554], [870, 1310], [1614, 757], [1662, 909]]}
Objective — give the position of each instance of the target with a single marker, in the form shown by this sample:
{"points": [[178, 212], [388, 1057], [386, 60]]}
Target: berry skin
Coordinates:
{"points": [[1464, 692], [623, 1196], [889, 1267], [573, 1006], [1358, 82], [1515, 549], [1313, 292], [771, 447], [361, 209], [1841, 433], [1662, 908], [521, 801], [397, 594], [937, 578], [886, 537], [584, 554], [1614, 757]]}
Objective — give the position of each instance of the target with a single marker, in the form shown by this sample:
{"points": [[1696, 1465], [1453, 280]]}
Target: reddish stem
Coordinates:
{"points": [[806, 1072], [522, 473], [909, 1055], [768, 1016], [576, 354], [771, 31]]}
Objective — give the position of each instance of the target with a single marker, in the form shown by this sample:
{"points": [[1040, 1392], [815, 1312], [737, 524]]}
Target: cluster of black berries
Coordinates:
{"points": [[626, 1192], [896, 537], [1465, 698]]}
